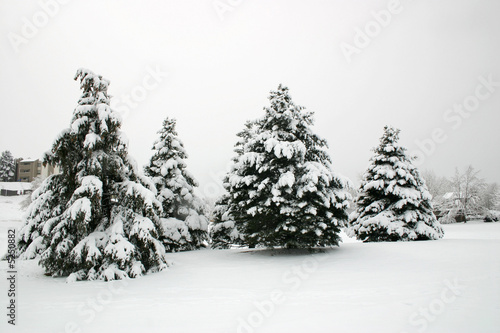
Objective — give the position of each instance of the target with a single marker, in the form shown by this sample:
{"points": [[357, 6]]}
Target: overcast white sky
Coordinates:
{"points": [[217, 68]]}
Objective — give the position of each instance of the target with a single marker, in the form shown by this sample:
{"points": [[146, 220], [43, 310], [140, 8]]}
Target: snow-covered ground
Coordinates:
{"points": [[10, 217], [449, 285]]}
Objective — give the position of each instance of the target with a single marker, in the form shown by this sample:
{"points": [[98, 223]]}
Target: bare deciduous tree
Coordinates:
{"points": [[437, 185], [490, 198], [468, 187]]}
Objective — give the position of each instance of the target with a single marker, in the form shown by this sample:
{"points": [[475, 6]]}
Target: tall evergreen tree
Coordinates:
{"points": [[184, 221], [223, 231], [394, 203], [98, 218], [7, 167], [282, 190]]}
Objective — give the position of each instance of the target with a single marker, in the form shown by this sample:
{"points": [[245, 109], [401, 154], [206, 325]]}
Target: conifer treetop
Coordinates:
{"points": [[282, 190], [93, 126], [389, 145], [168, 145], [394, 203], [169, 156]]}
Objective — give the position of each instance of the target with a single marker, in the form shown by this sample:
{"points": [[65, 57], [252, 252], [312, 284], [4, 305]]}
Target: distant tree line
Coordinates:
{"points": [[462, 195]]}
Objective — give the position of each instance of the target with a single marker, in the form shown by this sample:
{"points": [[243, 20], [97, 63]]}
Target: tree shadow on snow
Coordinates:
{"points": [[282, 252]]}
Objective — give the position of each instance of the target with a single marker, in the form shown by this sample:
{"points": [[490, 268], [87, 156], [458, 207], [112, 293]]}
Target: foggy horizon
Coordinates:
{"points": [[429, 69]]}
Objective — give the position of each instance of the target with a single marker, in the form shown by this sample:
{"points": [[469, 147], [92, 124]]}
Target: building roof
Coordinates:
{"points": [[449, 195], [452, 195]]}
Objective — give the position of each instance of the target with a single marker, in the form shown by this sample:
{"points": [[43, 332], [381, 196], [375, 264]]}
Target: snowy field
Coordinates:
{"points": [[450, 285]]}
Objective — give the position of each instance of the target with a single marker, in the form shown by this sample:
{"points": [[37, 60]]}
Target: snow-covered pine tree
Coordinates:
{"points": [[184, 222], [223, 231], [98, 218], [394, 203], [7, 167], [282, 190]]}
